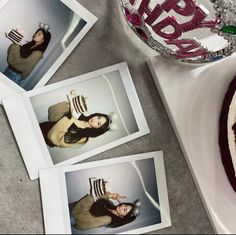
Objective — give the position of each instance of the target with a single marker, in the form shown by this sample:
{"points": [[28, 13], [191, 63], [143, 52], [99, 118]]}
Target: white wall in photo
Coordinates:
{"points": [[105, 95], [131, 187], [27, 14]]}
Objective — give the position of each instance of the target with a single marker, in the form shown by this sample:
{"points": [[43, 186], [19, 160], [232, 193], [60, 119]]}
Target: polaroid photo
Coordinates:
{"points": [[69, 121], [36, 37], [120, 195]]}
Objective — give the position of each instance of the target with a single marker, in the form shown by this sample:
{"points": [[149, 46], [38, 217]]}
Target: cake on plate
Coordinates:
{"points": [[15, 36], [97, 188], [227, 133], [78, 104]]}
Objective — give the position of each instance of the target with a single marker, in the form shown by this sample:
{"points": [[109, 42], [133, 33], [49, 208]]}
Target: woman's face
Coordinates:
{"points": [[38, 37], [97, 121], [123, 209]]}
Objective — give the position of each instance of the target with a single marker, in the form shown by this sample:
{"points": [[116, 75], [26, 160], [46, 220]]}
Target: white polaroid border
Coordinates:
{"points": [[8, 87], [29, 137], [55, 200]]}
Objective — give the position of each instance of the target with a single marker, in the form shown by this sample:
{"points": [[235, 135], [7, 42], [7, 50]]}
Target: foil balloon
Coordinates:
{"points": [[183, 29]]}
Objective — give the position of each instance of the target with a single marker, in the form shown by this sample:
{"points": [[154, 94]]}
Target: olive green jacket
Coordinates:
{"points": [[25, 65], [83, 217]]}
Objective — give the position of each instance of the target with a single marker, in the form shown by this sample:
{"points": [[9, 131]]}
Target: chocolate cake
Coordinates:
{"points": [[227, 133], [79, 104], [15, 36], [97, 187]]}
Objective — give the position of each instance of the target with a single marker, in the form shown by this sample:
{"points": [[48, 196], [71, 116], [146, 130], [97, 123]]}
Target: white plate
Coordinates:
{"points": [[193, 96]]}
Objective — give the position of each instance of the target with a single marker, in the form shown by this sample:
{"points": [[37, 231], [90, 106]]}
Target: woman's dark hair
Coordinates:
{"points": [[27, 49], [101, 206], [74, 133]]}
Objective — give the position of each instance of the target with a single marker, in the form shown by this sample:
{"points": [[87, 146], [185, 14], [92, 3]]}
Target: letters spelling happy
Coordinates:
{"points": [[187, 48]]}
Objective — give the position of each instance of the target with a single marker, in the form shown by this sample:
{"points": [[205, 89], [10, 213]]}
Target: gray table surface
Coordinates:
{"points": [[109, 42]]}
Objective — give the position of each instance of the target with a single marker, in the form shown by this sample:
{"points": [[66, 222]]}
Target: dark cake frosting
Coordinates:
{"points": [[223, 134], [234, 129]]}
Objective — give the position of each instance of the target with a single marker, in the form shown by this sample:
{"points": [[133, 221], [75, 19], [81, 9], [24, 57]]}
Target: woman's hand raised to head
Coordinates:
{"points": [[115, 196]]}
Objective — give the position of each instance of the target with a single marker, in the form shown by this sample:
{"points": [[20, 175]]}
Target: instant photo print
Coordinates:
{"points": [[69, 121], [36, 37], [90, 198]]}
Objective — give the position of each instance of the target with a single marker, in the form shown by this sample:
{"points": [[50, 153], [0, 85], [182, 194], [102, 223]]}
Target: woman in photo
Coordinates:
{"points": [[22, 59], [89, 214], [68, 126], [69, 131]]}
